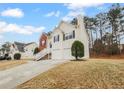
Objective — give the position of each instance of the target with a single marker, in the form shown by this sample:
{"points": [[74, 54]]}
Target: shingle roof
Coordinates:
{"points": [[20, 46], [29, 43]]}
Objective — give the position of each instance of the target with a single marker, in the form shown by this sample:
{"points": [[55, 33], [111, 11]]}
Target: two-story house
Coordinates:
{"points": [[58, 42]]}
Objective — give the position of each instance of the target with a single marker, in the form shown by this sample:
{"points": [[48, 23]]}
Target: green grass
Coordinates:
{"points": [[95, 73]]}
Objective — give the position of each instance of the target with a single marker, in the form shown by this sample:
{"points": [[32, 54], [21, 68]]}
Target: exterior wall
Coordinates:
{"points": [[62, 49], [49, 44], [29, 50], [57, 46], [82, 35], [24, 55], [43, 38], [1, 53], [13, 50]]}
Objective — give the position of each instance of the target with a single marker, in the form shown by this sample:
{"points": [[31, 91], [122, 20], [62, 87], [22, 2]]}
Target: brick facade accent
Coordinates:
{"points": [[43, 42]]}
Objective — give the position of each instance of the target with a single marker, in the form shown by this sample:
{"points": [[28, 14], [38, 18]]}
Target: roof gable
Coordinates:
{"points": [[58, 28]]}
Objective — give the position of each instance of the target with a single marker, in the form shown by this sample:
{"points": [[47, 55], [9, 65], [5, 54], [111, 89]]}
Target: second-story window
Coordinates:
{"points": [[70, 35], [56, 38], [73, 33]]}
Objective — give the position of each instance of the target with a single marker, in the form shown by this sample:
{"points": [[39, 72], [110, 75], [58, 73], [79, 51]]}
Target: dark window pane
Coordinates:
{"points": [[54, 39], [50, 45], [58, 37], [73, 33], [70, 36], [63, 36]]}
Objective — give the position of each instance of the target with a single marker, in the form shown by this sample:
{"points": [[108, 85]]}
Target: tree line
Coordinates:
{"points": [[106, 30]]}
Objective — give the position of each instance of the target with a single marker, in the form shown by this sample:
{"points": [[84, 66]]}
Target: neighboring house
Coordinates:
{"points": [[26, 50], [8, 48], [2, 51], [19, 46], [121, 47], [29, 49], [58, 42]]}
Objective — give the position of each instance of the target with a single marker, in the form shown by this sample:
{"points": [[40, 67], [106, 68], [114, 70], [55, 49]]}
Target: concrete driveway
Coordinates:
{"points": [[10, 78]]}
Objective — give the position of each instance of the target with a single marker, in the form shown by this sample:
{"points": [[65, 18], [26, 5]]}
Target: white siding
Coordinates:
{"points": [[62, 49], [29, 50]]}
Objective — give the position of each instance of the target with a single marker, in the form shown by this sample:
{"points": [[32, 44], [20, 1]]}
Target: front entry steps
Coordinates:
{"points": [[46, 57], [43, 54]]}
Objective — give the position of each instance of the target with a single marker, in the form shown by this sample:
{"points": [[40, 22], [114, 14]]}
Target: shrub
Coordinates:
{"points": [[17, 56], [2, 57], [8, 58], [113, 49], [6, 55], [77, 49], [36, 50]]}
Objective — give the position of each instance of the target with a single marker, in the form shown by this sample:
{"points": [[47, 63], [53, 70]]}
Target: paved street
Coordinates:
{"points": [[10, 78]]}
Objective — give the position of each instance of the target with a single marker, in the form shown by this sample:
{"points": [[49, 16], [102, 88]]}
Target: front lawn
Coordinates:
{"points": [[6, 64], [95, 73]]}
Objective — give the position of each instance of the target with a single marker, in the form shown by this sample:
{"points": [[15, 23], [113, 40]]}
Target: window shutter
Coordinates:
{"points": [[63, 36], [73, 33], [58, 37], [54, 39]]}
